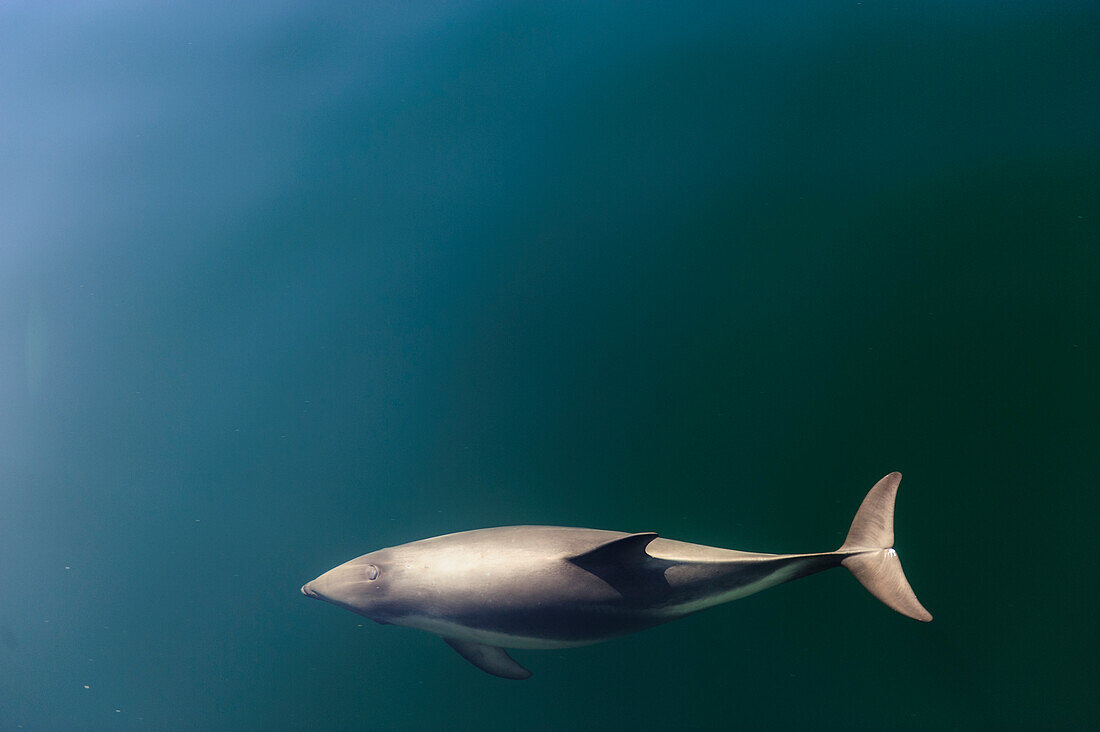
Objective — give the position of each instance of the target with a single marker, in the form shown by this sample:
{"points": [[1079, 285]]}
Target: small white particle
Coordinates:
{"points": [[117, 710], [67, 567], [86, 686]]}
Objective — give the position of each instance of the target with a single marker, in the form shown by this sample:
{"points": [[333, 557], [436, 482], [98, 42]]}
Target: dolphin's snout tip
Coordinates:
{"points": [[306, 591]]}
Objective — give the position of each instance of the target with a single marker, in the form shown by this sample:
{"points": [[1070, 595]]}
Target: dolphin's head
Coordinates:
{"points": [[358, 585]]}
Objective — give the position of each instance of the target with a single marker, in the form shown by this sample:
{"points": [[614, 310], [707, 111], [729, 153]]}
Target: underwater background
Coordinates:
{"points": [[285, 283]]}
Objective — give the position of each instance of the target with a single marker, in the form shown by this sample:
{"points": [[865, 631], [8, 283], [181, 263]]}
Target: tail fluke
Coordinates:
{"points": [[870, 554]]}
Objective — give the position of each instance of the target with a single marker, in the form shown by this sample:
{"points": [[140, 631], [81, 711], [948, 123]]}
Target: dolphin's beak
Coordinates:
{"points": [[308, 591]]}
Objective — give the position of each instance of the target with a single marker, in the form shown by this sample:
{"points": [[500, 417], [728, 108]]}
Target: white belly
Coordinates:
{"points": [[448, 629]]}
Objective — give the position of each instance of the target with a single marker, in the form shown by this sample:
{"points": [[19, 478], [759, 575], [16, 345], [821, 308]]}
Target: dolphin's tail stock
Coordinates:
{"points": [[870, 555]]}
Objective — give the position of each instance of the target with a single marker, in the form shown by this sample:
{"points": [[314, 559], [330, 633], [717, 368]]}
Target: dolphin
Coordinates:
{"points": [[555, 587]]}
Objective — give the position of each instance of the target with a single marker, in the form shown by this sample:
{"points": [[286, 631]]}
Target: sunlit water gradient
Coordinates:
{"points": [[284, 283]]}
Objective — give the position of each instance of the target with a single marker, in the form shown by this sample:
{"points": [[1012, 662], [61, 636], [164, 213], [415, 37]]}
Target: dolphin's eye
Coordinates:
{"points": [[372, 572]]}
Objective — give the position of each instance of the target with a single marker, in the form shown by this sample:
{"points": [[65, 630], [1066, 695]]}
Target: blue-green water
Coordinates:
{"points": [[284, 283]]}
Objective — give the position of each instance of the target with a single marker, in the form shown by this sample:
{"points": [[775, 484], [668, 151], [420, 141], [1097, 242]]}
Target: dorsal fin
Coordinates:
{"points": [[622, 551]]}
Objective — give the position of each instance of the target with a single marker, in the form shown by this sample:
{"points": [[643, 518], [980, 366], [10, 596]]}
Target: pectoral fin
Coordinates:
{"points": [[490, 659]]}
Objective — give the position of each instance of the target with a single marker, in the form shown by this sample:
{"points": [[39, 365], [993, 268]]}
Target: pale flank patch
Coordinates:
{"points": [[777, 577]]}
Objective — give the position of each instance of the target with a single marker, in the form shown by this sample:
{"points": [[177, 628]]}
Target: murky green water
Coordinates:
{"points": [[282, 285]]}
